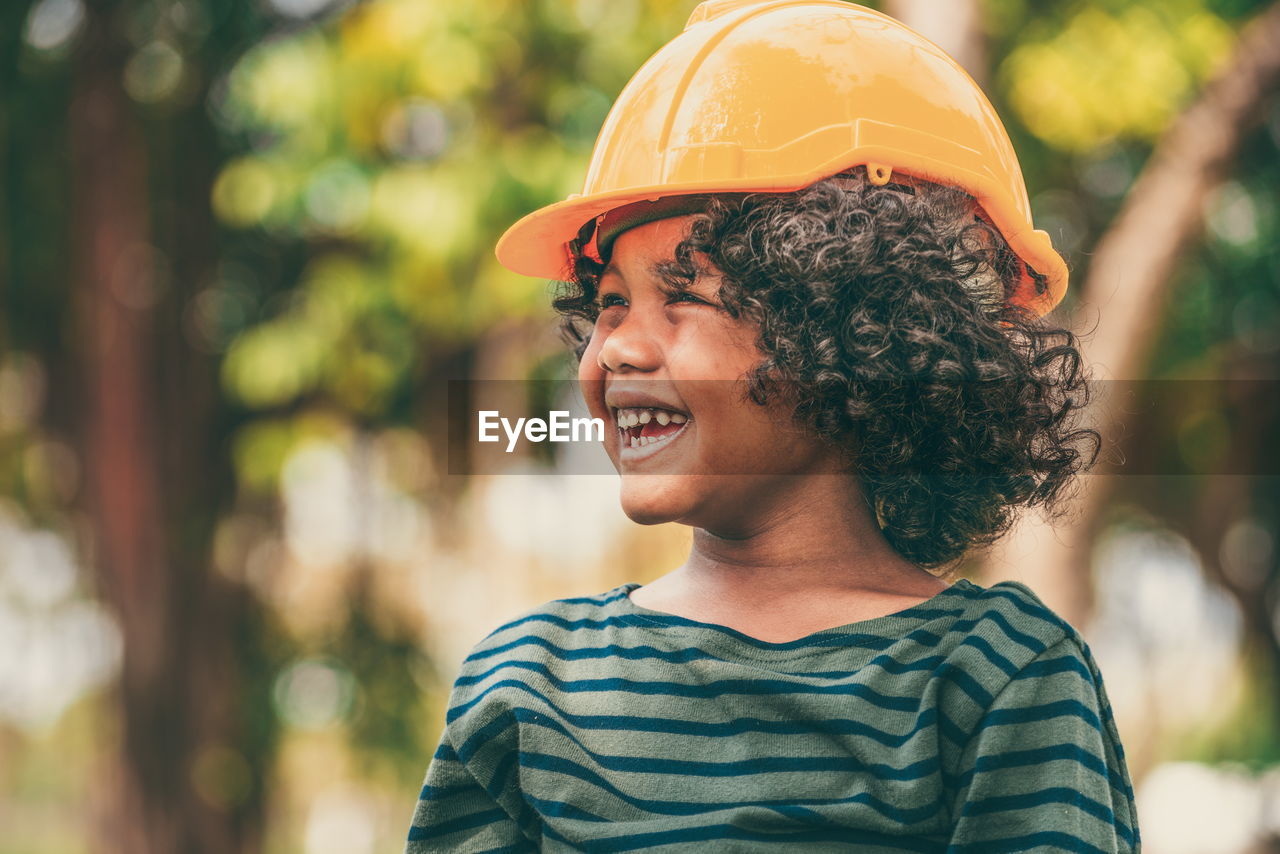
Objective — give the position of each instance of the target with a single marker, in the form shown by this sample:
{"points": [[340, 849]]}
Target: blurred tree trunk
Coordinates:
{"points": [[955, 26], [111, 217], [153, 476], [1126, 287]]}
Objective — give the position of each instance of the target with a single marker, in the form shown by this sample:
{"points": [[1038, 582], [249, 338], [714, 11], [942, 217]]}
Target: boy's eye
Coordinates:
{"points": [[609, 300], [687, 296], [690, 296]]}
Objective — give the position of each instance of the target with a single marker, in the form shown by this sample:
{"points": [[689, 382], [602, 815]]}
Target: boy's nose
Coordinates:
{"points": [[629, 347]]}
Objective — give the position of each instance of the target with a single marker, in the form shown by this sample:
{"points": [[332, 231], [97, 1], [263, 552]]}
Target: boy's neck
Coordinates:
{"points": [[814, 557]]}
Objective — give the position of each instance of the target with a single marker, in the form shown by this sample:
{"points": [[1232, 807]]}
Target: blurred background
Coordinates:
{"points": [[244, 246]]}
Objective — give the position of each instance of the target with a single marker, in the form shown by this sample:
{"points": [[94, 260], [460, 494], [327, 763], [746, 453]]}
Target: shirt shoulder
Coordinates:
{"points": [[526, 653], [1010, 623], [996, 634], [552, 625]]}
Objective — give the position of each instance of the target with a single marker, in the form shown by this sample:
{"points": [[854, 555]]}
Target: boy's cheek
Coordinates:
{"points": [[591, 384], [589, 369]]}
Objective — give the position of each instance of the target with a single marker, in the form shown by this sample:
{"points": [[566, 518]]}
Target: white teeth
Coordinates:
{"points": [[631, 441], [631, 416], [627, 418]]}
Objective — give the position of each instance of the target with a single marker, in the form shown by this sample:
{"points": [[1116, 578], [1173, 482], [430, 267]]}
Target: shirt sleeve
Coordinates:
{"points": [[456, 813], [1044, 769]]}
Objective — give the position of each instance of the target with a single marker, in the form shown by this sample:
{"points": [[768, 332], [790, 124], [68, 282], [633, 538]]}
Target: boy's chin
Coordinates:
{"points": [[653, 499]]}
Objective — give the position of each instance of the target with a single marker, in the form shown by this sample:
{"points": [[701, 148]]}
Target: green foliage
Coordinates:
{"points": [[404, 137], [1111, 70], [394, 144], [386, 729], [261, 448], [1249, 736], [263, 646], [1225, 296]]}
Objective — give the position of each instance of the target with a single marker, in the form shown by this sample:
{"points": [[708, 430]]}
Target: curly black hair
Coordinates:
{"points": [[884, 320]]}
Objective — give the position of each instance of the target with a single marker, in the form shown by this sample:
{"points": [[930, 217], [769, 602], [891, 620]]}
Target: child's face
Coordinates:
{"points": [[727, 460]]}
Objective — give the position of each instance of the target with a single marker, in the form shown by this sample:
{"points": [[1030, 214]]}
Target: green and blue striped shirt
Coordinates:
{"points": [[973, 721]]}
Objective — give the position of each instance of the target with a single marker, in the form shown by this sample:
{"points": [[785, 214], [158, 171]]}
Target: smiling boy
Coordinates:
{"points": [[771, 505], [843, 335]]}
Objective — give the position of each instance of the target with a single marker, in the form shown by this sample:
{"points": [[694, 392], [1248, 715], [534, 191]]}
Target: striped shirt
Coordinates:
{"points": [[973, 721]]}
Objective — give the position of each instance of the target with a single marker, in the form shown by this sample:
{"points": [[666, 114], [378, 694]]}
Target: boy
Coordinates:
{"points": [[803, 288]]}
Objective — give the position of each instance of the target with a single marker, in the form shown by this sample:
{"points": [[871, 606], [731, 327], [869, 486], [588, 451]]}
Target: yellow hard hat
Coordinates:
{"points": [[773, 95]]}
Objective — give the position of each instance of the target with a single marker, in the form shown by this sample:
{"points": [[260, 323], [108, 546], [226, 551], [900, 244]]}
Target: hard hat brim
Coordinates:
{"points": [[537, 245]]}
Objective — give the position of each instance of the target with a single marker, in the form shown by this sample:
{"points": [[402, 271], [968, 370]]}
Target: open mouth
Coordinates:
{"points": [[640, 427]]}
